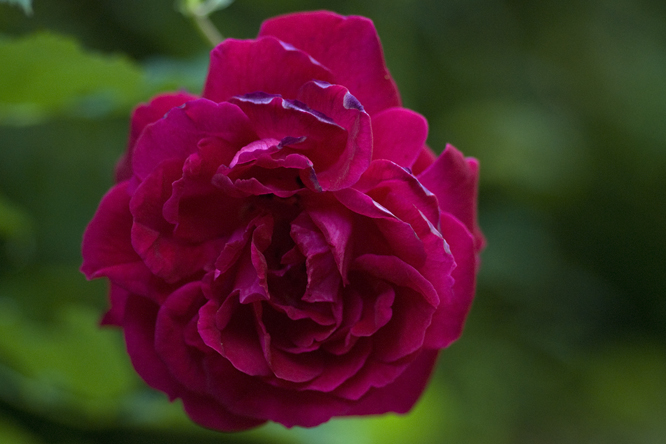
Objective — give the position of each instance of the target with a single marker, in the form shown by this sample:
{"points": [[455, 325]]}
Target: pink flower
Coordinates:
{"points": [[286, 247]]}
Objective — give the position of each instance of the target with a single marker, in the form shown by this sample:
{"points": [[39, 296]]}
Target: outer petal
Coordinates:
{"points": [[268, 65], [348, 46], [454, 180], [448, 320], [106, 241], [139, 327], [175, 315], [399, 135], [401, 395], [107, 249], [426, 158], [248, 396], [142, 116], [118, 299], [210, 414]]}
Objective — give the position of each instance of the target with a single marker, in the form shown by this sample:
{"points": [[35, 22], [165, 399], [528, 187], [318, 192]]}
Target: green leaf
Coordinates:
{"points": [[60, 364], [25, 4], [44, 75], [70, 366]]}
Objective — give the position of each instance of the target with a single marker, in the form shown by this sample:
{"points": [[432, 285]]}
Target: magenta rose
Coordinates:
{"points": [[286, 247]]}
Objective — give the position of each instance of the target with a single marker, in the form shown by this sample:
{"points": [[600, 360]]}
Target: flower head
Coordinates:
{"points": [[286, 247]]}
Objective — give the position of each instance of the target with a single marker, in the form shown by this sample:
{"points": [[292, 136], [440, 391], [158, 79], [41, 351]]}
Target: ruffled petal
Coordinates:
{"points": [[336, 102], [339, 144]]}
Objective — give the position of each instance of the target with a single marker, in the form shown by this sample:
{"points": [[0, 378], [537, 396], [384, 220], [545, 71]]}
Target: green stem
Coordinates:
{"points": [[207, 29]]}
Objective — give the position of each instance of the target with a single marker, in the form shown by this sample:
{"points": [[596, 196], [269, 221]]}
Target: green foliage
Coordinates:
{"points": [[26, 5], [45, 75]]}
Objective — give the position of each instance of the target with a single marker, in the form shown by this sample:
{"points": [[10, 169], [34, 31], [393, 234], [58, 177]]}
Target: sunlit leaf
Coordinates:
{"points": [[45, 74]]}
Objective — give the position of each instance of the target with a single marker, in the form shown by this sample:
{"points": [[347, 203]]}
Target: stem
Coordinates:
{"points": [[207, 29]]}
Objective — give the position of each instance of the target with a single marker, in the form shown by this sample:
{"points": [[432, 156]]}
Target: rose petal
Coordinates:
{"points": [[400, 395], [107, 249], [139, 328], [167, 256], [341, 368], [454, 180], [348, 46], [268, 65], [117, 299], [173, 317], [400, 192], [142, 116], [448, 320], [426, 158], [399, 135], [213, 415], [415, 302], [336, 102], [177, 135], [286, 366], [323, 278], [339, 150], [377, 307], [106, 240], [373, 374], [229, 329], [334, 221]]}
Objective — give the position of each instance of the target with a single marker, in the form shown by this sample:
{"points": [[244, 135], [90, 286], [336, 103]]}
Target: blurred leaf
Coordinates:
{"points": [[627, 385], [523, 147], [174, 74], [25, 4], [13, 434], [56, 173], [17, 233], [46, 74], [63, 367]]}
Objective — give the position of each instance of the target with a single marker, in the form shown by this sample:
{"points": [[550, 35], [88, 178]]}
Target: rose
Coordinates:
{"points": [[286, 247]]}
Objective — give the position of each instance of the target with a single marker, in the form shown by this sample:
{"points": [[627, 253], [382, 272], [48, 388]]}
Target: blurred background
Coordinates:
{"points": [[563, 103]]}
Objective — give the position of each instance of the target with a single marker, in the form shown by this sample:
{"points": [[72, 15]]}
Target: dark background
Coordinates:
{"points": [[563, 103]]}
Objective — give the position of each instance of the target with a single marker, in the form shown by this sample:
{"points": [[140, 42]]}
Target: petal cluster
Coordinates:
{"points": [[286, 247]]}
